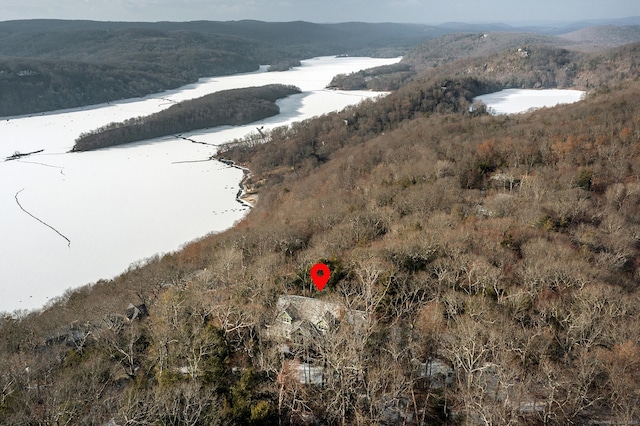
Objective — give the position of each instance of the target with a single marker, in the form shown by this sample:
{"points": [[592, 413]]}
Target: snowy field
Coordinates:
{"points": [[514, 101], [123, 204]]}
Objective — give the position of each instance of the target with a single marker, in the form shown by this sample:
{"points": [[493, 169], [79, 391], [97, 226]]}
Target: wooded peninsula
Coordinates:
{"points": [[228, 107]]}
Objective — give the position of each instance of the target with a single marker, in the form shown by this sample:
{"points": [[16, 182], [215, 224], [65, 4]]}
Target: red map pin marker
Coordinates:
{"points": [[320, 274]]}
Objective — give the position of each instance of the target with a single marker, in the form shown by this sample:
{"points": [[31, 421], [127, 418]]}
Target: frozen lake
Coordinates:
{"points": [[514, 101], [123, 204]]}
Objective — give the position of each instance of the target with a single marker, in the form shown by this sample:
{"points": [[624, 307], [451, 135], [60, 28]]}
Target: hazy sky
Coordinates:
{"points": [[418, 11]]}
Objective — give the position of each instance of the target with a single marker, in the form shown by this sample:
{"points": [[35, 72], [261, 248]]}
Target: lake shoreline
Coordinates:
{"points": [[244, 196], [125, 203]]}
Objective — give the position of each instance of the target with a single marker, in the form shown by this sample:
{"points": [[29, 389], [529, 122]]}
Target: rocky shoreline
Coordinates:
{"points": [[246, 195]]}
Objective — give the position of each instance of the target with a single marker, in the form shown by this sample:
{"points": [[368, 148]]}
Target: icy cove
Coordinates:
{"points": [[515, 101]]}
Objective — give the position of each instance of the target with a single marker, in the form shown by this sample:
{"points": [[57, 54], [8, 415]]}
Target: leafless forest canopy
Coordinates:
{"points": [[504, 250]]}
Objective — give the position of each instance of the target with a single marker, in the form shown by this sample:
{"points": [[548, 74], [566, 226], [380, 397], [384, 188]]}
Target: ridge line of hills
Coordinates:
{"points": [[49, 64]]}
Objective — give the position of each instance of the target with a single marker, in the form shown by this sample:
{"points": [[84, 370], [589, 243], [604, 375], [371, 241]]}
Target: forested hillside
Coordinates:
{"points": [[224, 108], [48, 64], [513, 59], [47, 71], [450, 47], [479, 44], [502, 252], [548, 67]]}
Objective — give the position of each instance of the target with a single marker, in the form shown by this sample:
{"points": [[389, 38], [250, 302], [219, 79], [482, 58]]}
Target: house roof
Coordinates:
{"points": [[305, 317], [309, 309]]}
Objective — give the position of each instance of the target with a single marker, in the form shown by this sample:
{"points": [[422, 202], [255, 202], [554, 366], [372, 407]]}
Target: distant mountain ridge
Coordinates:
{"points": [[464, 27], [54, 64], [605, 35], [345, 38]]}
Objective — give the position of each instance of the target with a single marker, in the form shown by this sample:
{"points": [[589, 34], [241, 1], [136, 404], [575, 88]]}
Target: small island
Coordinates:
{"points": [[284, 65], [229, 107]]}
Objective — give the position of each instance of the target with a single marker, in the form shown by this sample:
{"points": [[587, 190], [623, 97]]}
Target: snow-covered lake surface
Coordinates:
{"points": [[514, 101], [121, 205]]}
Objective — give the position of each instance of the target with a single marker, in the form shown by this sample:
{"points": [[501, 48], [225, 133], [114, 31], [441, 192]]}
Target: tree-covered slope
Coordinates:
{"points": [[450, 47], [551, 67], [34, 85], [501, 251], [543, 66], [516, 60]]}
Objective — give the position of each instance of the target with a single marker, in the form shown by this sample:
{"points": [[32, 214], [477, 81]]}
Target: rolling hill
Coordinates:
{"points": [[470, 45], [603, 36]]}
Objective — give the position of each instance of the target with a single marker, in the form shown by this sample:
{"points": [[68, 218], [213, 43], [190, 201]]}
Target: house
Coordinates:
{"points": [[304, 316], [137, 312], [308, 317], [300, 326], [76, 335]]}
